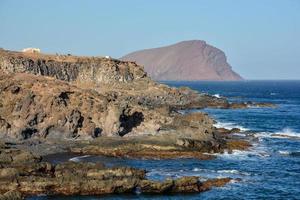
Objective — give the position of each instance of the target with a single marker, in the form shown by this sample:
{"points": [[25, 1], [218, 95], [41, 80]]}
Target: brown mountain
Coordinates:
{"points": [[187, 60]]}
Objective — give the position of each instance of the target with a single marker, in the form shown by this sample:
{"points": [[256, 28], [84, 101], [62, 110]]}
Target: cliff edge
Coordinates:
{"points": [[64, 96]]}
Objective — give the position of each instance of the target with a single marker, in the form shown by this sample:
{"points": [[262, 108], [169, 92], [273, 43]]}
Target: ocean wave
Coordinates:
{"points": [[229, 125], [242, 155], [232, 171], [289, 153], [221, 172], [202, 173], [285, 133], [78, 158], [263, 134], [284, 152]]}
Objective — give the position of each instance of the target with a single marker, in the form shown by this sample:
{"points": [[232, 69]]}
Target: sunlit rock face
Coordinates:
{"points": [[64, 96], [71, 68]]}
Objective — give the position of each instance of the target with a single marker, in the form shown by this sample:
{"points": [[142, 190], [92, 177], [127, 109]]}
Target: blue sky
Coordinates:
{"points": [[259, 37]]}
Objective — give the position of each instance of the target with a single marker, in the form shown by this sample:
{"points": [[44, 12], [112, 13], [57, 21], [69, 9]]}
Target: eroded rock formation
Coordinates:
{"points": [[23, 174], [85, 97], [71, 97], [71, 68], [98, 106]]}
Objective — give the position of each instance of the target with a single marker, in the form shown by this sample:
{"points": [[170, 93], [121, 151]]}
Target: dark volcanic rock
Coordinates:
{"points": [[47, 100], [34, 177], [48, 108], [37, 106], [85, 97], [71, 68], [82, 97], [188, 60]]}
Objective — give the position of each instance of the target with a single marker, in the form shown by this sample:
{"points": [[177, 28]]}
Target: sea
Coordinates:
{"points": [[270, 169]]}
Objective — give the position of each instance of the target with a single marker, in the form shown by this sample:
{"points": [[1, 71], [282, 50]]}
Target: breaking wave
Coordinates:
{"points": [[243, 155], [285, 133], [229, 125], [202, 173], [289, 153]]}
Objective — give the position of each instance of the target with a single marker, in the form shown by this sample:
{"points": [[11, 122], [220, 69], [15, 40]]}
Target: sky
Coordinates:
{"points": [[259, 37]]}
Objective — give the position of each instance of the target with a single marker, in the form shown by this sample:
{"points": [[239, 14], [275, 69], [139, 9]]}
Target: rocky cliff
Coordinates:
{"points": [[188, 60], [71, 68], [98, 106], [71, 97]]}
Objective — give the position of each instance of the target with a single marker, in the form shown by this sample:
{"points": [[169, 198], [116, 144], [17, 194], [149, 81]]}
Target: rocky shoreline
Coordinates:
{"points": [[24, 173], [100, 106]]}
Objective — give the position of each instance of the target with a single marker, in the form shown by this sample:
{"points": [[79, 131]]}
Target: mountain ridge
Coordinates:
{"points": [[187, 60]]}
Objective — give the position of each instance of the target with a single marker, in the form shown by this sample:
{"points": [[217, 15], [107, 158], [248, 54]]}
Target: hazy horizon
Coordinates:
{"points": [[259, 38]]}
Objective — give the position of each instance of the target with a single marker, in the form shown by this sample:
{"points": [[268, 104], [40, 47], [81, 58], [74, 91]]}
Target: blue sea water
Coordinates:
{"points": [[269, 170]]}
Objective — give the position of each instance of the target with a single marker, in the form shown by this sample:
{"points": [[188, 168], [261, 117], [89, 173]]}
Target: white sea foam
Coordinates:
{"points": [[233, 171], [196, 169], [234, 181], [289, 153], [243, 155], [263, 135], [223, 171], [217, 96], [78, 158], [253, 106], [229, 125], [285, 133], [202, 173], [228, 171], [284, 152]]}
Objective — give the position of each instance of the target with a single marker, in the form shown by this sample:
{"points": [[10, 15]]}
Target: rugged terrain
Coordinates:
{"points": [[71, 97], [101, 106], [23, 173], [187, 60]]}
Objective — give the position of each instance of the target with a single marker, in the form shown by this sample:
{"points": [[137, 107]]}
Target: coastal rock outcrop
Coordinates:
{"points": [[83, 97], [34, 177], [71, 68], [38, 106], [98, 106], [55, 96], [54, 101]]}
